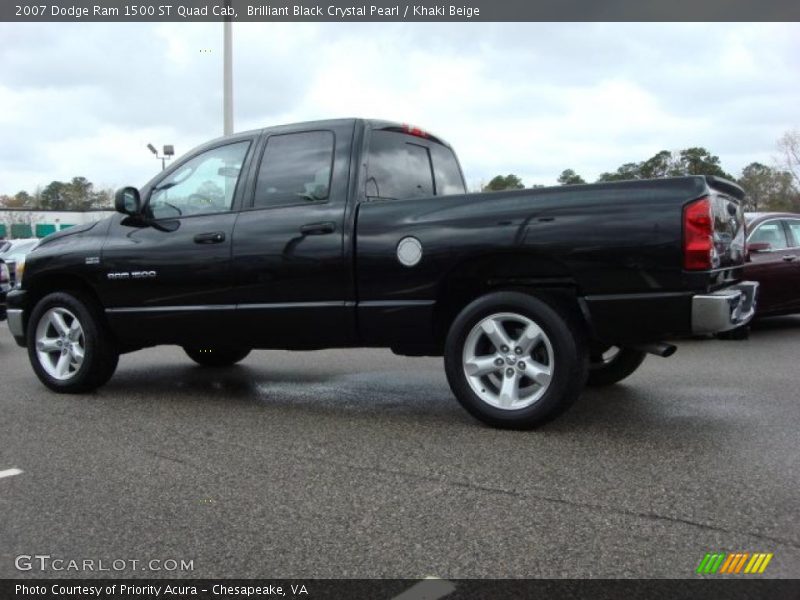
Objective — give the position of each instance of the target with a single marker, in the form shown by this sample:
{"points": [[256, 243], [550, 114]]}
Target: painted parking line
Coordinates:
{"points": [[10, 472], [430, 588]]}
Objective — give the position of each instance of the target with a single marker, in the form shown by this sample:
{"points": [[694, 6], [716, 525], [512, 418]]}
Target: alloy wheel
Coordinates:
{"points": [[508, 361], [60, 343]]}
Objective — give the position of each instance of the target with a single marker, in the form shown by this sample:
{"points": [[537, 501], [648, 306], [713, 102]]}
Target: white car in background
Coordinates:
{"points": [[15, 254]]}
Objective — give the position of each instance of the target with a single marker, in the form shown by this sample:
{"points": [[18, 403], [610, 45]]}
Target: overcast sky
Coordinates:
{"points": [[529, 98]]}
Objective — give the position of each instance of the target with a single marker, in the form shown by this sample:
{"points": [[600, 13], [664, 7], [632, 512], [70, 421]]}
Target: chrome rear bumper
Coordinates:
{"points": [[725, 309]]}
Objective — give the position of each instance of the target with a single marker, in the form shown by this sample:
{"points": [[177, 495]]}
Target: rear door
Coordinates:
{"points": [[792, 256], [292, 271]]}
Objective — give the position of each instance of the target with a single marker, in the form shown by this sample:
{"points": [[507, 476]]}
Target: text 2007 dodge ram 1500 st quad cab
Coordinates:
{"points": [[356, 233]]}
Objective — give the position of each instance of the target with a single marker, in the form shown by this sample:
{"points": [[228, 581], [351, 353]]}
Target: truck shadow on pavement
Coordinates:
{"points": [[636, 410], [783, 323], [639, 410], [375, 393], [647, 402]]}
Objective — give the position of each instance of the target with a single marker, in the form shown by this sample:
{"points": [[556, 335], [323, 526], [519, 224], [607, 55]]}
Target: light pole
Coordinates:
{"points": [[167, 153], [227, 73]]}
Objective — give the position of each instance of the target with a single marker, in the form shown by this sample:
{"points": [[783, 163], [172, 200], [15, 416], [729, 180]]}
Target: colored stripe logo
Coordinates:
{"points": [[734, 563]]}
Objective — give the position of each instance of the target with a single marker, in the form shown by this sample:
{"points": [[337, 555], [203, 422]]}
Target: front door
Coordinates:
{"points": [[292, 266], [168, 280], [773, 267]]}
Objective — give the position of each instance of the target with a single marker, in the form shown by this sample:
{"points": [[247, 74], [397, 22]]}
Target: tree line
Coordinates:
{"points": [[768, 188], [77, 194]]}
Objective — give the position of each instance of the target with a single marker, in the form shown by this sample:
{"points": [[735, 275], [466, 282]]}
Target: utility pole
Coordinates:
{"points": [[227, 74]]}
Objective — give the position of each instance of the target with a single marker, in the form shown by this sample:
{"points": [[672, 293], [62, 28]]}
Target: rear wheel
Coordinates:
{"points": [[216, 356], [512, 361], [613, 364], [69, 347]]}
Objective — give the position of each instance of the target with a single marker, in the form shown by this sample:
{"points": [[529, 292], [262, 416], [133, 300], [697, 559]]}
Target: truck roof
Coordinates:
{"points": [[379, 124]]}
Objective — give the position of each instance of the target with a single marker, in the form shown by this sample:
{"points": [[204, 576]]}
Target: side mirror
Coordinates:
{"points": [[128, 202], [759, 247]]}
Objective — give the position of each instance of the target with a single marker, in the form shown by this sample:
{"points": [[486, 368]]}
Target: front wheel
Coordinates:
{"points": [[68, 344], [216, 356], [512, 361], [613, 364]]}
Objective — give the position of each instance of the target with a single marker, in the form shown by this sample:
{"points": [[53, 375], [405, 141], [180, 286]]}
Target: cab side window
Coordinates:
{"points": [[205, 184], [296, 168], [401, 167], [446, 170], [398, 168]]}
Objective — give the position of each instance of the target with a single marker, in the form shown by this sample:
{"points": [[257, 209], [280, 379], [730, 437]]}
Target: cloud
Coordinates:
{"points": [[528, 98]]}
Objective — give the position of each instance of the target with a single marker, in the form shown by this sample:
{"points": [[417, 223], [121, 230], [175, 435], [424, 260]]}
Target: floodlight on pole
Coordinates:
{"points": [[167, 153]]}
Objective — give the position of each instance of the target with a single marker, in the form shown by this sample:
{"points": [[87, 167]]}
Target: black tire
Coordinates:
{"points": [[216, 356], [100, 355], [568, 366], [617, 368]]}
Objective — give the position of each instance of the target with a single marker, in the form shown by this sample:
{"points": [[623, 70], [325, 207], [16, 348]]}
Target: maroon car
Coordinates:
{"points": [[773, 242]]}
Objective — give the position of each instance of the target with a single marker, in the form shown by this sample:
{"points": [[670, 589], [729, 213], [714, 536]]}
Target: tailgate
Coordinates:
{"points": [[727, 211]]}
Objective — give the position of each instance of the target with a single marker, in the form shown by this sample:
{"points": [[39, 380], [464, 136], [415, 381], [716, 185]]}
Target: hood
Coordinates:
{"points": [[67, 232]]}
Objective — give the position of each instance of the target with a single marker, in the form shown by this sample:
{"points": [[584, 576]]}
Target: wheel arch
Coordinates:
{"points": [[545, 279], [60, 282]]}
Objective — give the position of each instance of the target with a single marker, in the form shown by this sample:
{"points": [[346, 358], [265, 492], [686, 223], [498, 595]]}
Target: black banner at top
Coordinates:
{"points": [[397, 10]]}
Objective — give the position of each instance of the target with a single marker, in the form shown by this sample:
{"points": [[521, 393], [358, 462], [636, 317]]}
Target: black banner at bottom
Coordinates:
{"points": [[398, 589]]}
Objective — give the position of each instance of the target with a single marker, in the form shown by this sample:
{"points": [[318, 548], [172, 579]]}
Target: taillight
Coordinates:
{"points": [[698, 235]]}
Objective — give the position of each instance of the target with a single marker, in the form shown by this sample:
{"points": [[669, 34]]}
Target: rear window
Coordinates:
{"points": [[401, 167]]}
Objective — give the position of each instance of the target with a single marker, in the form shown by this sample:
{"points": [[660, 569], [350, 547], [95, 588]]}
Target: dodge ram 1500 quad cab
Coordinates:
{"points": [[359, 233]]}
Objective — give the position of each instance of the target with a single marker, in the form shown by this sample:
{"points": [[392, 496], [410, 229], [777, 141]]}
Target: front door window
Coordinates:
{"points": [[203, 185]]}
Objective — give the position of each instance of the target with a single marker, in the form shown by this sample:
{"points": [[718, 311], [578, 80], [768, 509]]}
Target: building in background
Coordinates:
{"points": [[16, 223]]}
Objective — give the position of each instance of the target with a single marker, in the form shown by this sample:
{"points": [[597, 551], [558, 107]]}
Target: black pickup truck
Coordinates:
{"points": [[358, 233]]}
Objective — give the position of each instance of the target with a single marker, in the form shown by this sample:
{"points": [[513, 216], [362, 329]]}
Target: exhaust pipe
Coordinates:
{"points": [[658, 348]]}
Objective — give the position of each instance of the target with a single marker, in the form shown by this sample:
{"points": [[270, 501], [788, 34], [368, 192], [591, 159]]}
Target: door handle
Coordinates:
{"points": [[213, 237], [318, 228], [788, 257]]}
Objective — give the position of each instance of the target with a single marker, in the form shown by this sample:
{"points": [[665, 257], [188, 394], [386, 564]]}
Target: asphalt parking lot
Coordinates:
{"points": [[359, 463]]}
